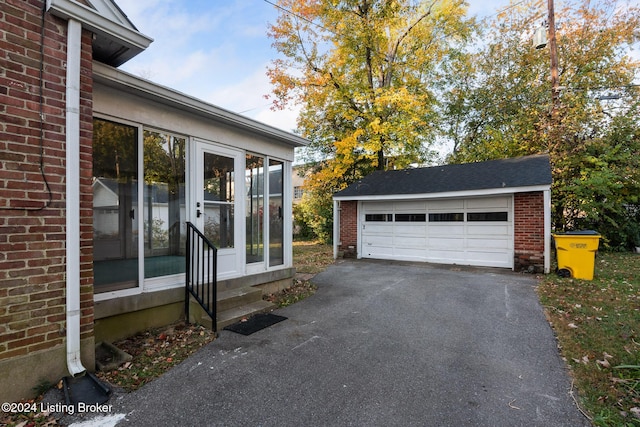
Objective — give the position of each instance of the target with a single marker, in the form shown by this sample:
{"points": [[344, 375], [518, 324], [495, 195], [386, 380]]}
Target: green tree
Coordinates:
{"points": [[498, 104], [363, 72]]}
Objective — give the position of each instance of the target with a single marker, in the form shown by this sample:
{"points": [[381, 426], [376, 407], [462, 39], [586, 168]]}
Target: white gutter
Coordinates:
{"points": [[74, 48], [447, 194]]}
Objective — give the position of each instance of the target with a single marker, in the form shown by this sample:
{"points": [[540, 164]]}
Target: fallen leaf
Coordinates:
{"points": [[585, 360], [572, 326], [604, 363]]}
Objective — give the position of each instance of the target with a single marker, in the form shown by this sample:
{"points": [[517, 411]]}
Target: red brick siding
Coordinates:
{"points": [[528, 225], [348, 228], [32, 229]]}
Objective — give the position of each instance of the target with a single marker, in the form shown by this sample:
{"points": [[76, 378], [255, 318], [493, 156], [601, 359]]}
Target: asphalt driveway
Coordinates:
{"points": [[379, 344]]}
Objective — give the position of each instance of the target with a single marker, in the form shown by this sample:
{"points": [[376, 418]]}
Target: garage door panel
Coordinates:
{"points": [[445, 205], [410, 207], [379, 228], [408, 242], [446, 243], [411, 230], [410, 254], [446, 230], [502, 244], [447, 257], [489, 230], [493, 202], [489, 259], [378, 240]]}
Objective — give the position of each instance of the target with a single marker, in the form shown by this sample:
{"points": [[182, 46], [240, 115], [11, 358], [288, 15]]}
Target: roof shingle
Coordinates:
{"points": [[505, 173]]}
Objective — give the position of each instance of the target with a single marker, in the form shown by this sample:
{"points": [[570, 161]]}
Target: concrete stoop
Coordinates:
{"points": [[241, 297], [232, 306]]}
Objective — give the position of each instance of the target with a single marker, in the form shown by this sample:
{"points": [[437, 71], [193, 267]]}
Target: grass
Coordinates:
{"points": [[310, 257], [597, 324]]}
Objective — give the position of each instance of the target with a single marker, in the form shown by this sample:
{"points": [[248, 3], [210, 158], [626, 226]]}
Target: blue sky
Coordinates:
{"points": [[218, 50]]}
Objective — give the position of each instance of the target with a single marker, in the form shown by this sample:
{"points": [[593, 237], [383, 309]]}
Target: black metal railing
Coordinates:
{"points": [[202, 269]]}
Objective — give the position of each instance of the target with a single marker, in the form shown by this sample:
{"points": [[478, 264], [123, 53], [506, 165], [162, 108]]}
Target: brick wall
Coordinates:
{"points": [[32, 213], [348, 228], [529, 231]]}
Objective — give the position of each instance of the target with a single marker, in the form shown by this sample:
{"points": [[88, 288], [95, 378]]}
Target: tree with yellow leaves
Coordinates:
{"points": [[363, 72]]}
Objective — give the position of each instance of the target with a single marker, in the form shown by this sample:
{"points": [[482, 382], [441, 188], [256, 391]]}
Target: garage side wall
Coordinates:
{"points": [[529, 231], [348, 243], [32, 200]]}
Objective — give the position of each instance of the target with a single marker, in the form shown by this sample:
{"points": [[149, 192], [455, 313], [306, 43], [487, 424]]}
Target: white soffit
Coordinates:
{"points": [[116, 39]]}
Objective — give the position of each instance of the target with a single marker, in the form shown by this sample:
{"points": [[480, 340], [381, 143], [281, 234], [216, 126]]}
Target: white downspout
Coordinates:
{"points": [[336, 227], [74, 48], [547, 230]]}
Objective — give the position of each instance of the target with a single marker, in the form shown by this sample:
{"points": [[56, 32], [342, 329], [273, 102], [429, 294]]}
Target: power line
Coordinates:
{"points": [[290, 12]]}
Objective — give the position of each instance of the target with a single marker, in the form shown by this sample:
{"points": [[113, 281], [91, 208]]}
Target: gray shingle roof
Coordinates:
{"points": [[506, 173]]}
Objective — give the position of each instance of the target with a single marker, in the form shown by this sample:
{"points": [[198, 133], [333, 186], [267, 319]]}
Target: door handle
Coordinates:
{"points": [[198, 212]]}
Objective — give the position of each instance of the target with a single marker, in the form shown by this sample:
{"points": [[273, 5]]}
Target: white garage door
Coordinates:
{"points": [[473, 231]]}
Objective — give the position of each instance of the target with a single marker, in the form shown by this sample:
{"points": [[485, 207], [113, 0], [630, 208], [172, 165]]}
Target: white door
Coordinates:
{"points": [[218, 184], [472, 231]]}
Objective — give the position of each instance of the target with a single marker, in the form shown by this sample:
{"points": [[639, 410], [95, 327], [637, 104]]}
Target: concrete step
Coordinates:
{"points": [[232, 306], [237, 297], [229, 317]]}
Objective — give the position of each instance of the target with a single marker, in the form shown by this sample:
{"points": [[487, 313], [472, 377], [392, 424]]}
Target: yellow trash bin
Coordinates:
{"points": [[576, 252]]}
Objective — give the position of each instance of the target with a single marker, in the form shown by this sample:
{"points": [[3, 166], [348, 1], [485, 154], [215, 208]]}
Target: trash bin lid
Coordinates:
{"points": [[583, 233]]}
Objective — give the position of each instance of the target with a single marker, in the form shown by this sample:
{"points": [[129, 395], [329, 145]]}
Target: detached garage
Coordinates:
{"points": [[494, 214]]}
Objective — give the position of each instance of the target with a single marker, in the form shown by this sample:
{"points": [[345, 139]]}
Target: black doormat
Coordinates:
{"points": [[255, 323]]}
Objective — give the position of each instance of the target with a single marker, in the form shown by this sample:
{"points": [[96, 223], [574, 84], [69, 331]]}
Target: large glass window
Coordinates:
{"points": [[218, 200], [115, 206], [487, 216], [254, 186], [276, 229], [164, 204], [446, 217]]}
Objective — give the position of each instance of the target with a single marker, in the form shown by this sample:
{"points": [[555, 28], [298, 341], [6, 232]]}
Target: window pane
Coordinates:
{"points": [[446, 217], [164, 204], [411, 217], [378, 217], [115, 206], [487, 216], [254, 186], [218, 199], [276, 229]]}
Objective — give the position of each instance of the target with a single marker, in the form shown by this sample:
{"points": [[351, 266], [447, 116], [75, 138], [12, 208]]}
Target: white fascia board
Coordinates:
{"points": [[120, 80], [93, 21], [449, 194]]}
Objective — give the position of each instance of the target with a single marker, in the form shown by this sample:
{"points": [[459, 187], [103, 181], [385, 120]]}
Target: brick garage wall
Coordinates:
{"points": [[32, 213], [529, 231], [348, 229]]}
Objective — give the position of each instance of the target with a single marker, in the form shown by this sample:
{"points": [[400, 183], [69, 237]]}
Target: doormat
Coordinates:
{"points": [[255, 323]]}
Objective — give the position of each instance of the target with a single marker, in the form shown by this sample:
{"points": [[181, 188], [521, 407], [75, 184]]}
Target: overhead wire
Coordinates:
{"points": [[41, 114]]}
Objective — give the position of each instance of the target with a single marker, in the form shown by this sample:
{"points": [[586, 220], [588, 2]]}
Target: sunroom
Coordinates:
{"points": [[162, 159]]}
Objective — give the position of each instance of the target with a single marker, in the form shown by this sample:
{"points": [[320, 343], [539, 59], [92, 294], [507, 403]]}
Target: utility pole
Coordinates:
{"points": [[553, 52]]}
